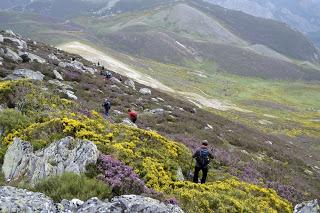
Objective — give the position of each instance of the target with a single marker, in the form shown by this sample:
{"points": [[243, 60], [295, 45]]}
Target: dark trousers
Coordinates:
{"points": [[196, 174]]}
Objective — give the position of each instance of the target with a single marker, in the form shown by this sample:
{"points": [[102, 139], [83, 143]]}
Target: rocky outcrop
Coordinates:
{"points": [[145, 91], [22, 45], [307, 207], [9, 54], [77, 66], [65, 155], [21, 200], [26, 73], [128, 203]]}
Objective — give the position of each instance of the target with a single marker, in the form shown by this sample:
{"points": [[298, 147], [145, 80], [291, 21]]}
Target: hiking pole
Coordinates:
{"points": [[190, 175]]}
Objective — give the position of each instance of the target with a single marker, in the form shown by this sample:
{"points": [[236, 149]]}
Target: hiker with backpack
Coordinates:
{"points": [[107, 107], [202, 156], [133, 115]]}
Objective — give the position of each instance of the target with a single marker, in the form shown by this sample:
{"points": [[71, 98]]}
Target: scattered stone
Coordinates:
{"points": [[9, 54], [160, 99], [208, 127], [127, 121], [308, 207], [158, 111], [130, 83], [1, 39], [169, 107], [77, 66], [269, 142], [154, 100], [265, 122], [60, 84], [115, 80], [65, 155], [181, 109], [70, 94], [57, 75], [308, 172], [145, 91], [117, 112], [244, 152], [193, 110], [53, 57]]}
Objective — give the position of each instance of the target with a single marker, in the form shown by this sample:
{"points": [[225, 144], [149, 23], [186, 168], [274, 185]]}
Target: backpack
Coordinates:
{"points": [[107, 105], [203, 158]]}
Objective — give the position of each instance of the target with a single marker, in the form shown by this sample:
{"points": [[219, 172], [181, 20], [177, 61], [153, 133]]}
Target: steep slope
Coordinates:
{"points": [[48, 110]]}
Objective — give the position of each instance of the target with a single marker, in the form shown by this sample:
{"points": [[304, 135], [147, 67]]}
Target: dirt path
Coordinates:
{"points": [[95, 55]]}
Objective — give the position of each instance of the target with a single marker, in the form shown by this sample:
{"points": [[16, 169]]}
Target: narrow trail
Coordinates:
{"points": [[115, 65]]}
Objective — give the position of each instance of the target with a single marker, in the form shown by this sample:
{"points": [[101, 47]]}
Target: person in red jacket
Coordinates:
{"points": [[133, 115]]}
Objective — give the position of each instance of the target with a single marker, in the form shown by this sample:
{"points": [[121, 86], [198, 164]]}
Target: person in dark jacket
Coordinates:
{"points": [[107, 107], [202, 156]]}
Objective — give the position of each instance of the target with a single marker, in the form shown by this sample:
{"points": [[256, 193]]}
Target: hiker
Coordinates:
{"points": [[202, 156], [108, 75], [133, 115], [107, 107]]}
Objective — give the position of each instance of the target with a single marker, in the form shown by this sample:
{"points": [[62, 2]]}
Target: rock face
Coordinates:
{"points": [[307, 207], [65, 155], [16, 159], [29, 74], [21, 200], [145, 91]]}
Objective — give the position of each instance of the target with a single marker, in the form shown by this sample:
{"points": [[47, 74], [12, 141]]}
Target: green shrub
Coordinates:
{"points": [[69, 186], [13, 119]]}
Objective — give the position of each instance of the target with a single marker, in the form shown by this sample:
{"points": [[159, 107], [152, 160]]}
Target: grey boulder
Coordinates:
{"points": [[57, 75], [1, 38], [9, 54], [130, 83], [145, 91], [26, 73], [34, 57], [308, 207]]}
